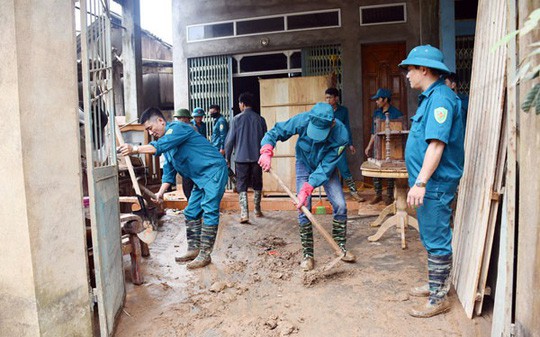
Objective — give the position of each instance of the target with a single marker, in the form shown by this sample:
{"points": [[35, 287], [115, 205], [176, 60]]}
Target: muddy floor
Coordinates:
{"points": [[254, 287]]}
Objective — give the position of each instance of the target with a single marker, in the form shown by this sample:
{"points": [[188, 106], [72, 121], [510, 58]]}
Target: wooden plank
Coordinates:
{"points": [[492, 222], [504, 293], [481, 153], [282, 99], [527, 297]]}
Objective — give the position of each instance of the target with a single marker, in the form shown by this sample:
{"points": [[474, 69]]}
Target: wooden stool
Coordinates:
{"points": [[132, 245]]}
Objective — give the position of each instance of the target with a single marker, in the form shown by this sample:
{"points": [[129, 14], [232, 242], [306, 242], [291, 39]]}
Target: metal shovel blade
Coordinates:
{"points": [[149, 234]]}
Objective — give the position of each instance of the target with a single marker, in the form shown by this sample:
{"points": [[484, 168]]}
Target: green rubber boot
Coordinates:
{"points": [[306, 237], [339, 233], [244, 212], [193, 235], [257, 197], [208, 238]]}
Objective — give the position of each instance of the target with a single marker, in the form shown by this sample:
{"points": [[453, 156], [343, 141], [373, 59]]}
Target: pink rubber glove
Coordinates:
{"points": [[265, 160], [304, 194]]}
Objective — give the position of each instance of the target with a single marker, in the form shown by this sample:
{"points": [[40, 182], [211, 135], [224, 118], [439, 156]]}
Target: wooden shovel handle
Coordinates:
{"points": [[337, 249], [132, 175]]}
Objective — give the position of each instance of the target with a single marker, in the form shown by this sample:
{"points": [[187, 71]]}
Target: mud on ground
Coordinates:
{"points": [[254, 287]]}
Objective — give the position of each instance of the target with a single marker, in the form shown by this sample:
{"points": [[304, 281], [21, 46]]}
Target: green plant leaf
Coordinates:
{"points": [[531, 99], [534, 52], [531, 23], [504, 40], [531, 74], [521, 72]]}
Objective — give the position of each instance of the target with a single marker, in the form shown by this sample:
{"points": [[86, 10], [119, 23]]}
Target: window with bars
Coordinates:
{"points": [[323, 60]]}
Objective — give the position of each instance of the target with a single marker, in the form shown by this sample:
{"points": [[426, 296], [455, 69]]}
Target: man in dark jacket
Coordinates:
{"points": [[244, 137]]}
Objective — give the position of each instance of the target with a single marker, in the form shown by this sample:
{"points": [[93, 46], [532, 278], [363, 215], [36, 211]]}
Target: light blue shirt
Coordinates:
{"points": [[219, 133], [438, 117], [188, 153], [342, 114], [393, 113], [320, 157]]}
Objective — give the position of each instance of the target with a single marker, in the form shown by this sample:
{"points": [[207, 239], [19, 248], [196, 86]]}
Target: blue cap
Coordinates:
{"points": [[425, 56], [198, 112], [321, 117], [382, 93]]}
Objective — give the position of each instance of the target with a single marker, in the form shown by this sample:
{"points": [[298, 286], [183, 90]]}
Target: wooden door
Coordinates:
{"points": [[380, 70], [281, 99]]}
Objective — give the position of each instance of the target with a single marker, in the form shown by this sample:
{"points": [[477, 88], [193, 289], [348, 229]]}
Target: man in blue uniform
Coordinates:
{"points": [[382, 98], [189, 154], [198, 114], [220, 129], [452, 81], [434, 157], [247, 130], [341, 113], [320, 145], [183, 115]]}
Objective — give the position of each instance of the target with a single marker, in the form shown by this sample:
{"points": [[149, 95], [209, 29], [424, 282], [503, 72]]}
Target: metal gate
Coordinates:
{"points": [[210, 82], [96, 59], [323, 60], [464, 60]]}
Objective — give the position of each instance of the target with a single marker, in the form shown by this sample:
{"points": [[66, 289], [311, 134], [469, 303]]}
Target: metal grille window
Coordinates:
{"points": [[383, 14], [464, 60], [323, 60]]}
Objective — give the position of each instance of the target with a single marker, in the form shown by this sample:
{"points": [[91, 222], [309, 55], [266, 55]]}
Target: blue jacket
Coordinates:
{"points": [[219, 133], [342, 114], [438, 117], [247, 130], [464, 107], [393, 112], [201, 128], [187, 153], [320, 158]]}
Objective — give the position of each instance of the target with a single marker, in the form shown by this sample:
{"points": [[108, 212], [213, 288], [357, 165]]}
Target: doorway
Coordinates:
{"points": [[380, 70]]}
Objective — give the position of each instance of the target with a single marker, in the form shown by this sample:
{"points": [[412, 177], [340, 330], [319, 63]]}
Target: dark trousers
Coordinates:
{"points": [[187, 186], [377, 183], [248, 174]]}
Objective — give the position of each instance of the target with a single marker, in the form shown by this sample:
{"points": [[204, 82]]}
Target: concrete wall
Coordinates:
{"points": [[421, 27], [43, 279]]}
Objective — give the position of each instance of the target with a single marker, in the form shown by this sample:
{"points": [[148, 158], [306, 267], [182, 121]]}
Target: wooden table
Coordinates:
{"points": [[400, 216]]}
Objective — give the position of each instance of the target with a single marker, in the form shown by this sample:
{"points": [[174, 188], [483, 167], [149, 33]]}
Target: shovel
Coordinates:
{"points": [[148, 235], [340, 252]]}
